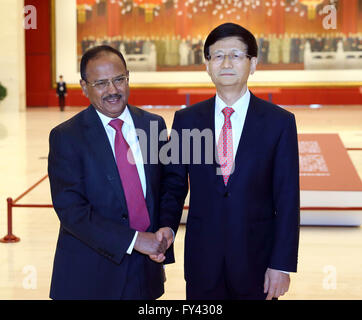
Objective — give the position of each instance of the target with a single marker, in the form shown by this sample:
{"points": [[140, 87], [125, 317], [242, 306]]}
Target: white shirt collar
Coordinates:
{"points": [[125, 116], [238, 106]]}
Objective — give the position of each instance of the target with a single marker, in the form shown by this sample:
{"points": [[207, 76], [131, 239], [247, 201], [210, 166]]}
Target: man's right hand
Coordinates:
{"points": [[148, 243], [162, 234]]}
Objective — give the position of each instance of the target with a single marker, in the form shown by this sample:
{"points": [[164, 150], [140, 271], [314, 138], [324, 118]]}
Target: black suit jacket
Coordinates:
{"points": [[91, 260], [253, 222], [61, 92]]}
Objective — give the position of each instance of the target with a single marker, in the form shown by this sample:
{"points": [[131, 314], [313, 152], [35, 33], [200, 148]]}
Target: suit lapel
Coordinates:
{"points": [[102, 152], [249, 136], [207, 121]]}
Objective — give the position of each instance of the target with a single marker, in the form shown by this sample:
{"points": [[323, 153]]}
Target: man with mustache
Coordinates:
{"points": [[242, 227], [105, 191]]}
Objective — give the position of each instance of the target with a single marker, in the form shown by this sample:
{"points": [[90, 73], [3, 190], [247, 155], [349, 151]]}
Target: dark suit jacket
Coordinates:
{"points": [[59, 92], [91, 260], [253, 222]]}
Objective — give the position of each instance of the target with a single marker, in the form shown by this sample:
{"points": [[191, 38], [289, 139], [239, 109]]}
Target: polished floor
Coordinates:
{"points": [[330, 259]]}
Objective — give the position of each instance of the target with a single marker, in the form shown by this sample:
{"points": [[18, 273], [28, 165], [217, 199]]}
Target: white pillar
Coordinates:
{"points": [[12, 54]]}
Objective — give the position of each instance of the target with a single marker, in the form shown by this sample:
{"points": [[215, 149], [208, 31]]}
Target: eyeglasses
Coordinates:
{"points": [[235, 56], [118, 82]]}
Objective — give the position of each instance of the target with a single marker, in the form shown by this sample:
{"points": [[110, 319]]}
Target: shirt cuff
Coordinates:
{"points": [[130, 248], [173, 235], [286, 272]]}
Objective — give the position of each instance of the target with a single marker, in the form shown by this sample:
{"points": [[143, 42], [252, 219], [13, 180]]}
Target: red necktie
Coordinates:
{"points": [[225, 145], [136, 204]]}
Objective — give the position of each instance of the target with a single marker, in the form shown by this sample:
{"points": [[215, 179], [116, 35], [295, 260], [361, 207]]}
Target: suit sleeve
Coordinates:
{"points": [[175, 181], [286, 200], [75, 212]]}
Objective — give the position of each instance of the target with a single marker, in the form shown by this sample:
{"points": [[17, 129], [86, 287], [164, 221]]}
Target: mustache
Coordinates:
{"points": [[226, 72], [113, 96]]}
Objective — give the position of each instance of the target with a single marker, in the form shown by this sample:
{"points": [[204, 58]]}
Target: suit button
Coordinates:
{"points": [[124, 216], [227, 194]]}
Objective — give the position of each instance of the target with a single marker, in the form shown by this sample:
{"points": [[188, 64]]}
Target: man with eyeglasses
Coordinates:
{"points": [[105, 191], [242, 229]]}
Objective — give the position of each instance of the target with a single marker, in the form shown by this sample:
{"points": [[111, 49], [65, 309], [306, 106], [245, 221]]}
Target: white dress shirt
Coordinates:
{"points": [[237, 118], [129, 133]]}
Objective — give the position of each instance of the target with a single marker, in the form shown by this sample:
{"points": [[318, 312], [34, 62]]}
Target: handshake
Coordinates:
{"points": [[154, 244]]}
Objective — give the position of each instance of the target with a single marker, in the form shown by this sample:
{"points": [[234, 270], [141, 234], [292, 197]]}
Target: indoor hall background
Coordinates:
{"points": [[329, 258]]}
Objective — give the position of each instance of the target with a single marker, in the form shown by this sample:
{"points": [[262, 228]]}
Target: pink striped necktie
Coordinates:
{"points": [[137, 210], [225, 145]]}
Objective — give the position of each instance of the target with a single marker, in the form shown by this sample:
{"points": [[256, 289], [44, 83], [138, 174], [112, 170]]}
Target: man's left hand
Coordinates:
{"points": [[276, 283]]}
